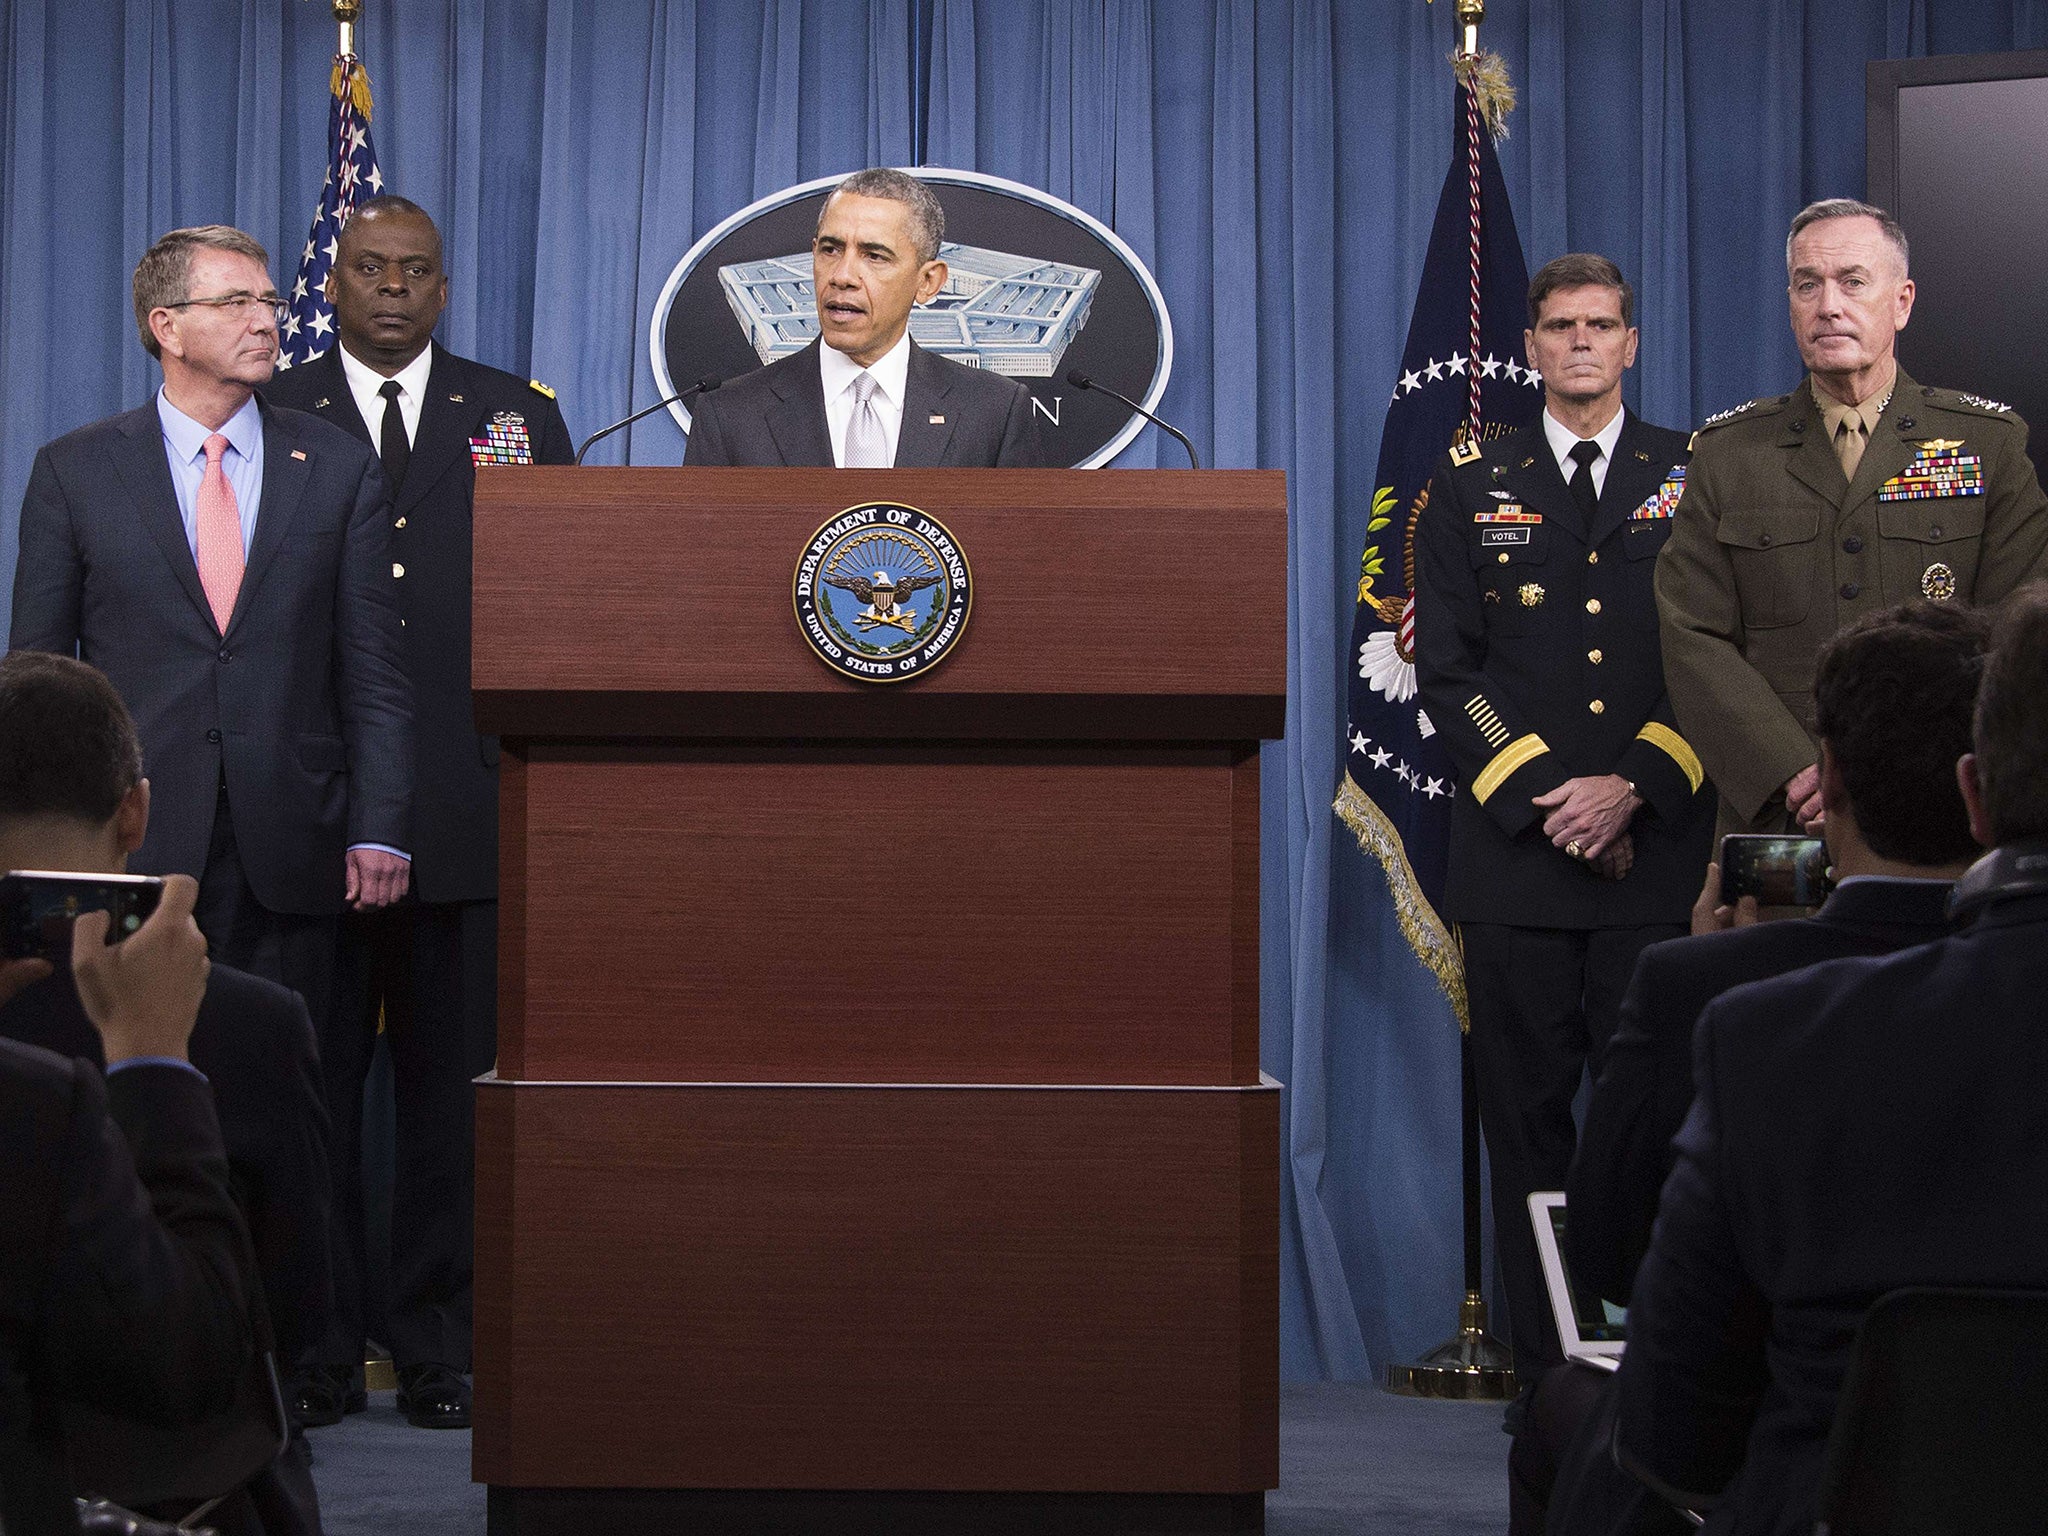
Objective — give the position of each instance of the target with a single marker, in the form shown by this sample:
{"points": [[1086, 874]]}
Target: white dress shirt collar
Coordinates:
{"points": [[891, 371], [1563, 439], [364, 382]]}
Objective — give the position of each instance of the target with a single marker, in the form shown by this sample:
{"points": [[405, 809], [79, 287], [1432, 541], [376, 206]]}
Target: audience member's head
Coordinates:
{"points": [[72, 794], [1894, 694], [2009, 768]]}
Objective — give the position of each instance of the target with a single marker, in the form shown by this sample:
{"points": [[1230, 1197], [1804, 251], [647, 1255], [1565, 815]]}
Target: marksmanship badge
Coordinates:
{"points": [[882, 592]]}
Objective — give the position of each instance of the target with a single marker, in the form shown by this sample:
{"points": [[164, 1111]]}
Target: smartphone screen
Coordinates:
{"points": [[37, 908], [1777, 871]]}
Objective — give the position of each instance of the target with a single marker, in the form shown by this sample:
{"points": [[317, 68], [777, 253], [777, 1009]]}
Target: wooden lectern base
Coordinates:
{"points": [[608, 1512], [876, 1288]]}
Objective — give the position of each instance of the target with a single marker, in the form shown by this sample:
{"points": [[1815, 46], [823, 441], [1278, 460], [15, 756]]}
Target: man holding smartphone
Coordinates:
{"points": [[73, 798], [125, 1276], [1893, 699]]}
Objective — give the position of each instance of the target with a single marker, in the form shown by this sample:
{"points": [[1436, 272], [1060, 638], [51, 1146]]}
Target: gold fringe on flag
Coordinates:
{"points": [[1487, 76], [1420, 925], [359, 85]]}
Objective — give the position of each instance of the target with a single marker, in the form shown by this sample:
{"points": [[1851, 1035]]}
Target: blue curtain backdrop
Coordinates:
{"points": [[1275, 161]]}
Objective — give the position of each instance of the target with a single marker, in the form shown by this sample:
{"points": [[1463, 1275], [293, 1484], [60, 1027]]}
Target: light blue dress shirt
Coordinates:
{"points": [[185, 447]]}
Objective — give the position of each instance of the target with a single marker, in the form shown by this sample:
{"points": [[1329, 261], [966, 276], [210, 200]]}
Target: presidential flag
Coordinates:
{"points": [[1462, 380], [352, 178]]}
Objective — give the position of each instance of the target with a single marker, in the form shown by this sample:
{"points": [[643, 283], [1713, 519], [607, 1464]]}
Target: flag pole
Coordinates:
{"points": [[1472, 1364], [346, 14]]}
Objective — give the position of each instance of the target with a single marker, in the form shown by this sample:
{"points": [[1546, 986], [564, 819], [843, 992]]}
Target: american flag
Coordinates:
{"points": [[1461, 380], [352, 177]]}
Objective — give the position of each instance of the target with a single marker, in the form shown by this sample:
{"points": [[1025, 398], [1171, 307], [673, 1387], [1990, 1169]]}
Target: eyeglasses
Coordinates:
{"points": [[238, 304]]}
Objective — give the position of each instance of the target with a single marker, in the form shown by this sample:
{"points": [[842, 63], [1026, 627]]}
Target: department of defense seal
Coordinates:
{"points": [[882, 592]]}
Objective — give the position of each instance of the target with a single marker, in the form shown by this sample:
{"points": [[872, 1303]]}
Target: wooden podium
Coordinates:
{"points": [[878, 1141]]}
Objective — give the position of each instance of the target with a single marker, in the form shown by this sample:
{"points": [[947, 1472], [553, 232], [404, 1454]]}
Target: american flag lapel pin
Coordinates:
{"points": [[937, 421], [298, 453]]}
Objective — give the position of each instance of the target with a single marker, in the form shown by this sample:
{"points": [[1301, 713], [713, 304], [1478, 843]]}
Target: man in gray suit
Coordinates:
{"points": [[869, 397], [228, 566]]}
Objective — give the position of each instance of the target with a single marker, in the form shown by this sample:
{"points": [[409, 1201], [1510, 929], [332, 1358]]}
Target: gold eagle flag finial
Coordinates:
{"points": [[346, 14], [1486, 74], [1470, 13]]}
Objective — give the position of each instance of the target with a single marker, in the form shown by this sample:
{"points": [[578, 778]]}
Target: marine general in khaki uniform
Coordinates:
{"points": [[1860, 489]]}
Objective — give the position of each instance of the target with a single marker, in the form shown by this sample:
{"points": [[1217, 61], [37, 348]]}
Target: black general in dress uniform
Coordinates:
{"points": [[430, 965]]}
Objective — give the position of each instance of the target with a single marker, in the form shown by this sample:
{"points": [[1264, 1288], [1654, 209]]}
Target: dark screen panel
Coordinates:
{"points": [[1970, 184]]}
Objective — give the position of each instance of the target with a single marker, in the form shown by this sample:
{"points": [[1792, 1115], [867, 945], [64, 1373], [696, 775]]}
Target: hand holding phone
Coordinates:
{"points": [[143, 993], [1777, 871], [38, 907]]}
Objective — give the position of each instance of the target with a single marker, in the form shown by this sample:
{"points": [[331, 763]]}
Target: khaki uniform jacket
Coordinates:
{"points": [[1773, 550]]}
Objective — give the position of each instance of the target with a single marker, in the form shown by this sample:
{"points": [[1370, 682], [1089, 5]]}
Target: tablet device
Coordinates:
{"points": [[1591, 1329]]}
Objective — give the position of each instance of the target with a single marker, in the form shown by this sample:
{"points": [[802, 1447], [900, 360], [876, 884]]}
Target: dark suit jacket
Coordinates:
{"points": [[1858, 1126], [453, 838], [255, 1044], [953, 416], [1645, 1084], [303, 702], [1521, 629], [123, 1263]]}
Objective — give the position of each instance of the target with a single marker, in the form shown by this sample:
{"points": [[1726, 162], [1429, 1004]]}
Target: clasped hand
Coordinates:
{"points": [[1588, 819]]}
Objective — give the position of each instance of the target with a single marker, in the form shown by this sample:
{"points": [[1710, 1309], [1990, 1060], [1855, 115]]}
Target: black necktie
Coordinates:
{"points": [[1581, 487], [392, 445]]}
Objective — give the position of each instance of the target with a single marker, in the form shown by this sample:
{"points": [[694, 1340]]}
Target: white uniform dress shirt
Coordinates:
{"points": [[838, 371], [1563, 439], [364, 382]]}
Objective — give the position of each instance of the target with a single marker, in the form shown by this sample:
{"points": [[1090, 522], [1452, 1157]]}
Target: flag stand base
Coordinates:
{"points": [[1474, 1366]]}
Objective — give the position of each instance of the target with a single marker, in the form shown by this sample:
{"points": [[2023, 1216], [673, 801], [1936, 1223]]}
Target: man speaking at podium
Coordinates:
{"points": [[870, 397]]}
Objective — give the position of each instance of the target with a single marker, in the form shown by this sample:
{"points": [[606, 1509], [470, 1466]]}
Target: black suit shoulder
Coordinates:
{"points": [[125, 1287], [254, 1042], [498, 390], [309, 430], [976, 383], [1645, 1084], [749, 399]]}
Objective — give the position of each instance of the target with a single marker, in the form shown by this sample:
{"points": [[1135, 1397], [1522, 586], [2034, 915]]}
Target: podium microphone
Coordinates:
{"points": [[701, 387], [1081, 380]]}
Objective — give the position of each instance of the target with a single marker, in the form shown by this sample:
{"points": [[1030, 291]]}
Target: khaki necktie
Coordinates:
{"points": [[1849, 445], [219, 541], [866, 445]]}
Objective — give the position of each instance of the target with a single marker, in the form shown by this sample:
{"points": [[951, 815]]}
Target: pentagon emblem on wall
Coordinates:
{"points": [[882, 592], [1035, 288]]}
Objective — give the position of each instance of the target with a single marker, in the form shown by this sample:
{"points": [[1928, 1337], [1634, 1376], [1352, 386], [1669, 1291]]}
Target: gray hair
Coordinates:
{"points": [[1579, 269], [163, 277], [1850, 208], [927, 217]]}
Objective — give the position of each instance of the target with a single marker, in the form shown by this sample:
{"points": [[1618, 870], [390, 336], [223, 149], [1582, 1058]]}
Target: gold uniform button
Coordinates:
{"points": [[1503, 559], [397, 570], [1597, 707], [1593, 657], [1592, 605], [399, 524], [1592, 557]]}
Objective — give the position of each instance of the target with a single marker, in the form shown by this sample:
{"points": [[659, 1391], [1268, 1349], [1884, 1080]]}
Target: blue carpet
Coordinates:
{"points": [[1353, 1460]]}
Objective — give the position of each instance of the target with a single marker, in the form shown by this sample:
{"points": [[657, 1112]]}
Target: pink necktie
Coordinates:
{"points": [[220, 536]]}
